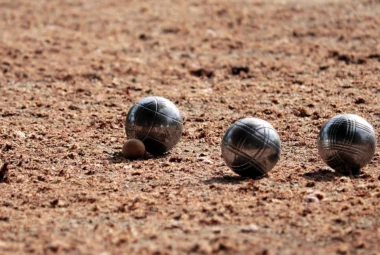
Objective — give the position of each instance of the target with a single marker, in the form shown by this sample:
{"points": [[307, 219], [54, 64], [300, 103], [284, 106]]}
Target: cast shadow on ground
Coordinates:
{"points": [[228, 179], [327, 175], [322, 175], [117, 158]]}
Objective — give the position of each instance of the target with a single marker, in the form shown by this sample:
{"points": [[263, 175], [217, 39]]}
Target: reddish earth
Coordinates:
{"points": [[70, 71]]}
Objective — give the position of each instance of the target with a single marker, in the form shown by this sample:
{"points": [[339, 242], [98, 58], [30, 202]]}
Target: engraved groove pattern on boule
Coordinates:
{"points": [[251, 162], [335, 161], [251, 147], [252, 131], [155, 121], [347, 143], [248, 157]]}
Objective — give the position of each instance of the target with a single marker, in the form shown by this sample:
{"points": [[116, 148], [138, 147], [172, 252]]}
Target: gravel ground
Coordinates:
{"points": [[71, 70]]}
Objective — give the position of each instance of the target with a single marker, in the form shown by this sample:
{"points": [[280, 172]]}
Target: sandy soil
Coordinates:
{"points": [[70, 71]]}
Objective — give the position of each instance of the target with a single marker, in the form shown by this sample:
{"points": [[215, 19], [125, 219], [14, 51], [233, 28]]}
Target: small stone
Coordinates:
{"points": [[217, 230], [319, 195], [344, 179], [250, 228], [211, 32], [359, 101], [205, 160], [3, 171], [20, 134], [311, 199], [127, 167]]}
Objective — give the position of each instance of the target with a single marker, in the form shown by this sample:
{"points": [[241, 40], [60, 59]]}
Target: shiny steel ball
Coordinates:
{"points": [[347, 143], [156, 122], [251, 147]]}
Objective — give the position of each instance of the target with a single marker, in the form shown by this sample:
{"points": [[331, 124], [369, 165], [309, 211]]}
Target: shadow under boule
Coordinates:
{"points": [[118, 157], [230, 179], [322, 175]]}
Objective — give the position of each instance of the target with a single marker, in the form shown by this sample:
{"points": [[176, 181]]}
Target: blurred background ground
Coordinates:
{"points": [[70, 71]]}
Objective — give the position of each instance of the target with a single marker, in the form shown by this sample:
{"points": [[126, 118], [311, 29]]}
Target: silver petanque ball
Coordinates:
{"points": [[155, 121], [347, 143], [251, 147]]}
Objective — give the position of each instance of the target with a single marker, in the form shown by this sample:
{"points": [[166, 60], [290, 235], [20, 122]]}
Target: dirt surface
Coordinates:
{"points": [[70, 71]]}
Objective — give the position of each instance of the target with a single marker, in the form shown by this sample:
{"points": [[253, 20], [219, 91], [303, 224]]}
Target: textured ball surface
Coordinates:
{"points": [[133, 148], [347, 143], [155, 121], [251, 147]]}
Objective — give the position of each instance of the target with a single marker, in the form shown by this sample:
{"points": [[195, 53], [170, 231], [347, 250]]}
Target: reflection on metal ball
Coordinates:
{"points": [[155, 121], [251, 147], [347, 143]]}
